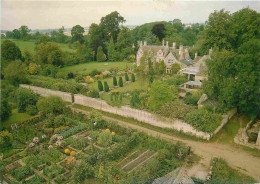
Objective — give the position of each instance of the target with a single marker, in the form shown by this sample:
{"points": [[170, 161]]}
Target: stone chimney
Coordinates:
{"points": [[196, 55], [167, 44], [174, 45], [187, 55], [163, 43], [133, 46], [145, 43], [181, 49]]}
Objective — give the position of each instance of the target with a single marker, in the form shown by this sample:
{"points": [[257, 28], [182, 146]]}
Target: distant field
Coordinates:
{"points": [[86, 68], [30, 45]]}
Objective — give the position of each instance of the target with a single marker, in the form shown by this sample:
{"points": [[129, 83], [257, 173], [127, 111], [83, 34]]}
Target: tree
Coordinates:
{"points": [[121, 82], [100, 85], [9, 52], [50, 53], [95, 37], [135, 100], [77, 34], [106, 87], [114, 81], [160, 93], [16, 72], [162, 68], [51, 105], [110, 25], [133, 77], [25, 98], [175, 68], [177, 25], [151, 72], [24, 32], [16, 34], [6, 139], [126, 77], [6, 110], [124, 43], [100, 54], [219, 30], [111, 52], [9, 35], [159, 31]]}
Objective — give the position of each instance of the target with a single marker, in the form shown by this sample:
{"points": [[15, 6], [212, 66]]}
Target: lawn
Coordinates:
{"points": [[86, 68], [30, 45], [15, 118]]}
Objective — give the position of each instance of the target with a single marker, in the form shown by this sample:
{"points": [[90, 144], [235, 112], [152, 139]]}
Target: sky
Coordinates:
{"points": [[52, 14]]}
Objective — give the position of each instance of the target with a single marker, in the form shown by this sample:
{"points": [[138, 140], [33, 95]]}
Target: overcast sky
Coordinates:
{"points": [[49, 14]]}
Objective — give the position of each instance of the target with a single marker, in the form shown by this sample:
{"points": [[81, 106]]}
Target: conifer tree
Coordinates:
{"points": [[126, 77], [133, 77], [121, 82], [100, 86], [114, 81], [106, 87], [100, 54]]}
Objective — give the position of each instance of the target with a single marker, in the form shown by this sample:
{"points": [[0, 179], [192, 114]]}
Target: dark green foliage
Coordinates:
{"points": [[9, 52], [121, 82], [203, 120], [192, 99], [100, 86], [135, 100], [22, 173], [159, 31], [6, 110], [77, 34], [6, 139], [25, 98], [70, 75], [93, 93], [114, 81], [94, 72], [126, 77], [51, 104], [106, 87], [177, 80], [133, 77]]}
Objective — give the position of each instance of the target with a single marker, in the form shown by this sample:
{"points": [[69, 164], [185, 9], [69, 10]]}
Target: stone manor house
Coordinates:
{"points": [[191, 68]]}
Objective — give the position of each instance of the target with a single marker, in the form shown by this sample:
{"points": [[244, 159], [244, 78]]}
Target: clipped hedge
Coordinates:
{"points": [[203, 120]]}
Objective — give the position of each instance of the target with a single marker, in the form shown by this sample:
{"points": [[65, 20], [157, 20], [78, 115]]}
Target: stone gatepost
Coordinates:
{"points": [[258, 138]]}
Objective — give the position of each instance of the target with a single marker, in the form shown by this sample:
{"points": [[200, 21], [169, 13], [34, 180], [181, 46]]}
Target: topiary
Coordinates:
{"points": [[133, 77], [114, 81], [106, 87], [121, 82], [126, 77], [100, 86]]}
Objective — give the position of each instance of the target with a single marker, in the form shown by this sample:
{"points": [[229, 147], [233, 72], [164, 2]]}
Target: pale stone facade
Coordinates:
{"points": [[165, 53]]}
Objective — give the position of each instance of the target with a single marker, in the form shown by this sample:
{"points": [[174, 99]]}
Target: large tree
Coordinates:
{"points": [[159, 31], [77, 34], [110, 25], [9, 52], [24, 32]]}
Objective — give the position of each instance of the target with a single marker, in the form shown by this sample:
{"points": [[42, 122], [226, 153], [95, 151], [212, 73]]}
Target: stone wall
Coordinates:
{"points": [[47, 92], [126, 111]]}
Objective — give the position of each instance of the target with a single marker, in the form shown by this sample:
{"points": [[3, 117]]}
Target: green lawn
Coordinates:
{"points": [[15, 118], [30, 45], [86, 68]]}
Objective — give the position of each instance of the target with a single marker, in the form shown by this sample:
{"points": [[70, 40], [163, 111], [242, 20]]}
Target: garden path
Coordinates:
{"points": [[237, 158]]}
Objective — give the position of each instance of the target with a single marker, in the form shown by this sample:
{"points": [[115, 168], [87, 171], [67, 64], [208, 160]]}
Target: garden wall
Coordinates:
{"points": [[47, 92], [126, 111]]}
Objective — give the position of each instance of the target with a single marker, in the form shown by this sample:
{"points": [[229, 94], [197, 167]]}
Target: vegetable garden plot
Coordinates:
{"points": [[130, 157], [141, 158]]}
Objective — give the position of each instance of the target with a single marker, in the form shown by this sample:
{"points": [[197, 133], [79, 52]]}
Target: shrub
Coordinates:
{"points": [[114, 81], [94, 72], [135, 100], [100, 77], [121, 82], [72, 153], [160, 93], [106, 87], [100, 54], [174, 109], [133, 77], [88, 79], [100, 86], [70, 75], [31, 110], [106, 73], [93, 93], [177, 80], [6, 139], [6, 109], [25, 97], [192, 99], [126, 77], [51, 104], [203, 120]]}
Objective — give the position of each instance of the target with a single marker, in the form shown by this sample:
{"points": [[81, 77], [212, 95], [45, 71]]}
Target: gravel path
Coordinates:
{"points": [[237, 158]]}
